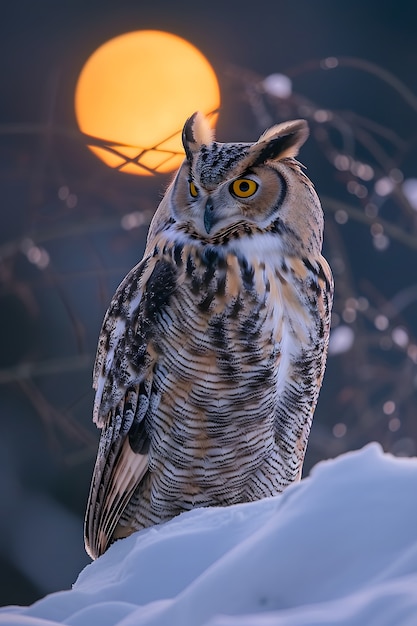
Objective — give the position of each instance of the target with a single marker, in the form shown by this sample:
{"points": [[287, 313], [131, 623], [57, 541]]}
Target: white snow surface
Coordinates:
{"points": [[338, 548]]}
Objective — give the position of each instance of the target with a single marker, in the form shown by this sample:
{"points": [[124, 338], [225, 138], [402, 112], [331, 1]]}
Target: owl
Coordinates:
{"points": [[212, 352]]}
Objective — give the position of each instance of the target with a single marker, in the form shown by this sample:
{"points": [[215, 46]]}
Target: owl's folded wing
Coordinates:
{"points": [[123, 372]]}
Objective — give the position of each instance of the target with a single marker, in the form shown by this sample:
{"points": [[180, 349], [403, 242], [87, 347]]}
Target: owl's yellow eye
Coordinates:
{"points": [[193, 190], [243, 187]]}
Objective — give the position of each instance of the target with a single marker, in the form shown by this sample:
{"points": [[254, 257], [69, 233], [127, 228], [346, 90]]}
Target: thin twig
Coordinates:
{"points": [[395, 232], [49, 367]]}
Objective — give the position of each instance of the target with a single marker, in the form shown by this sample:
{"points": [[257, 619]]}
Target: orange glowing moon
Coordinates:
{"points": [[136, 91]]}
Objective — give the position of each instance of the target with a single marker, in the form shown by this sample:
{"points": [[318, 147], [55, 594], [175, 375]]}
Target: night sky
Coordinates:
{"points": [[58, 198]]}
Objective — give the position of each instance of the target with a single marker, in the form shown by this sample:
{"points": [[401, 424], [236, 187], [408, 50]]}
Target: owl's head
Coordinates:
{"points": [[239, 189]]}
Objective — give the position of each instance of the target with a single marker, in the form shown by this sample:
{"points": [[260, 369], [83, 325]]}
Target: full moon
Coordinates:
{"points": [[134, 94]]}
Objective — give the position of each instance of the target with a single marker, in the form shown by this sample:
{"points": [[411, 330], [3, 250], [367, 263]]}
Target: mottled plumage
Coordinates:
{"points": [[212, 352]]}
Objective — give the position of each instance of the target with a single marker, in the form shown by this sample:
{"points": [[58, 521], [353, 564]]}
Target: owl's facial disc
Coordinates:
{"points": [[241, 189]]}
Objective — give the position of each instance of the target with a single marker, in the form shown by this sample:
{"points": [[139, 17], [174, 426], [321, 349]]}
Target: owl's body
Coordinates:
{"points": [[212, 352]]}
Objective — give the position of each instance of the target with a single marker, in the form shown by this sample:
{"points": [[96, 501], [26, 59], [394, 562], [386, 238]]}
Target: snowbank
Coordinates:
{"points": [[338, 548]]}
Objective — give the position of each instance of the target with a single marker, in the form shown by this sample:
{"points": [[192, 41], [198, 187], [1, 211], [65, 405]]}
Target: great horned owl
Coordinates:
{"points": [[212, 352]]}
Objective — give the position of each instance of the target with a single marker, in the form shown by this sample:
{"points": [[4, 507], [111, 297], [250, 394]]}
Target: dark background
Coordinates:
{"points": [[57, 200]]}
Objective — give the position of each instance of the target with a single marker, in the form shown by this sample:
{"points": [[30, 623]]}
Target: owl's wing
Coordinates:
{"points": [[123, 372], [301, 384]]}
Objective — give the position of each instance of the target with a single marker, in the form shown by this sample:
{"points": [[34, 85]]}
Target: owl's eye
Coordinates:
{"points": [[193, 189], [243, 187]]}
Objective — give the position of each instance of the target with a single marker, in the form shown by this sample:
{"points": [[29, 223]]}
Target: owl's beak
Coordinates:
{"points": [[208, 215]]}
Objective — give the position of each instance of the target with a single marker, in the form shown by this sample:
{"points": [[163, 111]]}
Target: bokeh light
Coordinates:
{"points": [[134, 94]]}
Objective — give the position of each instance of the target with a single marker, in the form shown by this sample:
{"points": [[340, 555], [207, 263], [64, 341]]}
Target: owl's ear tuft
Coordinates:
{"points": [[196, 132], [280, 142]]}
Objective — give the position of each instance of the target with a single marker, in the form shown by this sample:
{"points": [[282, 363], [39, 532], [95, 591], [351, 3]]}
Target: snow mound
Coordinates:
{"points": [[338, 548]]}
